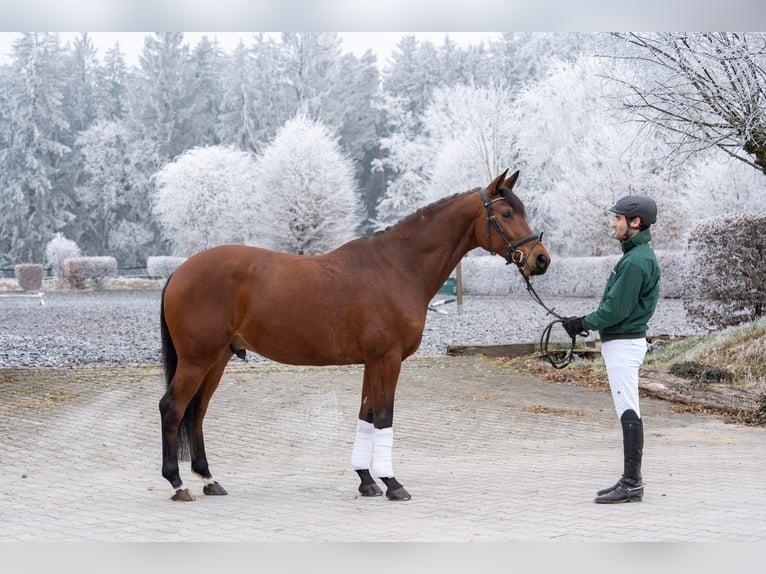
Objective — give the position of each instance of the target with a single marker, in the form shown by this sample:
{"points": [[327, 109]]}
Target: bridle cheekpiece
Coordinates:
{"points": [[514, 254]]}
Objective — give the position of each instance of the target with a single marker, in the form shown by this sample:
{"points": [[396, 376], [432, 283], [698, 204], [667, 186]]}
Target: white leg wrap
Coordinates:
{"points": [[205, 481], [381, 453], [362, 451]]}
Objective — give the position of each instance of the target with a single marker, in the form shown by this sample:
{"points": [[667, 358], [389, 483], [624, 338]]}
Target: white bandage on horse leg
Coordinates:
{"points": [[205, 481], [381, 453], [362, 451]]}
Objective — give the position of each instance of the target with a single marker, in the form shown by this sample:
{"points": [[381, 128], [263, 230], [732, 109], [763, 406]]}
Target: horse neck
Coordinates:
{"points": [[432, 241]]}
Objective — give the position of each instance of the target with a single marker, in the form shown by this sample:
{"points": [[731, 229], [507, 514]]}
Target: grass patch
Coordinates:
{"points": [[735, 355]]}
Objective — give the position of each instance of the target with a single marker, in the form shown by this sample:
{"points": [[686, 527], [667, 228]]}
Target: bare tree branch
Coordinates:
{"points": [[709, 89]]}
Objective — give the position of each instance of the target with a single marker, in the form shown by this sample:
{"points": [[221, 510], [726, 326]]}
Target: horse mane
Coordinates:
{"points": [[416, 214], [516, 204]]}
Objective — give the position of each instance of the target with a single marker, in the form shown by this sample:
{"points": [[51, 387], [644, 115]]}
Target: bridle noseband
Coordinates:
{"points": [[514, 254]]}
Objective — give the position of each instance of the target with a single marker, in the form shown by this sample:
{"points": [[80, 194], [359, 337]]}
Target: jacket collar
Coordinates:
{"points": [[640, 238]]}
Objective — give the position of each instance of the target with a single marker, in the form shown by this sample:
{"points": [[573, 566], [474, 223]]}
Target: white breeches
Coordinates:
{"points": [[372, 449], [623, 358]]}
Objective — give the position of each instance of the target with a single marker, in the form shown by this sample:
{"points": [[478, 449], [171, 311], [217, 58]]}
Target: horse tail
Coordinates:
{"points": [[170, 364]]}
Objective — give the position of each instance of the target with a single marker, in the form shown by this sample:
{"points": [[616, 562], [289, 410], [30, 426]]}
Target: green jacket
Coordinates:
{"points": [[631, 292]]}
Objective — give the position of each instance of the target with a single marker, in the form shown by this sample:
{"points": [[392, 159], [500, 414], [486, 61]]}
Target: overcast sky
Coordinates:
{"points": [[382, 43]]}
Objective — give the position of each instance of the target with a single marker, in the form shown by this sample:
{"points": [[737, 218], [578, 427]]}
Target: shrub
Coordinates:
{"points": [[29, 276], [725, 281], [81, 272], [567, 276], [58, 250], [161, 266]]}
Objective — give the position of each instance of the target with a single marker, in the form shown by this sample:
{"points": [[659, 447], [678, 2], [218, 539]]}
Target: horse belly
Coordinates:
{"points": [[300, 339]]}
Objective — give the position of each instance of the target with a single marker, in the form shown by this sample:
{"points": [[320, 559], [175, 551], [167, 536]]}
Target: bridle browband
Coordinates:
{"points": [[514, 254]]}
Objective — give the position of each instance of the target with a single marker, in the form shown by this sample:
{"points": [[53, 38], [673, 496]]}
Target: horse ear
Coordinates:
{"points": [[511, 181], [496, 184]]}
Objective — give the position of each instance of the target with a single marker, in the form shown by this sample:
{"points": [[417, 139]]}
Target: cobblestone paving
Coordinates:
{"points": [[487, 456]]}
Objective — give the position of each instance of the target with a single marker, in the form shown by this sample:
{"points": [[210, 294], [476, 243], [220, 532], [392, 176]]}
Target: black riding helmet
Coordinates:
{"points": [[641, 206]]}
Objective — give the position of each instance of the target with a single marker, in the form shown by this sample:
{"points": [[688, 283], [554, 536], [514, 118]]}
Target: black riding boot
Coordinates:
{"points": [[629, 488]]}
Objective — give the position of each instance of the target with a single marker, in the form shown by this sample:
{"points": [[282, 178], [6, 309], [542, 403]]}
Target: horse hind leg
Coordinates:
{"points": [[198, 408], [173, 412]]}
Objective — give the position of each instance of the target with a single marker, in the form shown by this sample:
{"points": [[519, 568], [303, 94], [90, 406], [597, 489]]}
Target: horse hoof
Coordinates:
{"points": [[183, 495], [370, 489], [398, 494], [214, 489]]}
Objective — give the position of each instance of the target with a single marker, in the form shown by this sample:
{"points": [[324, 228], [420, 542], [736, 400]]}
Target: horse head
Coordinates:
{"points": [[506, 224]]}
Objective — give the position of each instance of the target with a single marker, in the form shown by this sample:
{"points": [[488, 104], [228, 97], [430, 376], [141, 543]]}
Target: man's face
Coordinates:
{"points": [[621, 227]]}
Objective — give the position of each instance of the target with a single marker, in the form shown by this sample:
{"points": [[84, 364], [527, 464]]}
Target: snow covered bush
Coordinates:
{"points": [[161, 266], [308, 185], [206, 197], [58, 250], [725, 281], [566, 276], [29, 276], [81, 272]]}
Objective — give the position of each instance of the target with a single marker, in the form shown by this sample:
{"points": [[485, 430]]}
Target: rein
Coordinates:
{"points": [[546, 334]]}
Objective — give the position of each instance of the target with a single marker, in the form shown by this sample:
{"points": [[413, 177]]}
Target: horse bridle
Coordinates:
{"points": [[517, 256], [514, 254]]}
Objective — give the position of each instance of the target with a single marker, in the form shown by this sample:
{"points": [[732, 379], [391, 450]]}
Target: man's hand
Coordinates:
{"points": [[574, 326]]}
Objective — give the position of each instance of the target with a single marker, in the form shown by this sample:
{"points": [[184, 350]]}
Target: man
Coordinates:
{"points": [[628, 302]]}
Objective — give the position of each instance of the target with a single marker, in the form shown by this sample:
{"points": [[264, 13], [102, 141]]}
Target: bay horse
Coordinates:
{"points": [[363, 303]]}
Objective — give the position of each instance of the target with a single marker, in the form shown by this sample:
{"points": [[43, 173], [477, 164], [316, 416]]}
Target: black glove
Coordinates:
{"points": [[574, 326]]}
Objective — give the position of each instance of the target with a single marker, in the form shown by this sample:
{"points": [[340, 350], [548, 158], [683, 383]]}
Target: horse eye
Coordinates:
{"points": [[507, 214]]}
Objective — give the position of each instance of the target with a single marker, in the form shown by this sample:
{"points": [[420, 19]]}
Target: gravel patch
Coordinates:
{"points": [[121, 327]]}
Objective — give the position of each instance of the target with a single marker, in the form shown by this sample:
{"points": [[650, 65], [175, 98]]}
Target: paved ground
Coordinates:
{"points": [[486, 455]]}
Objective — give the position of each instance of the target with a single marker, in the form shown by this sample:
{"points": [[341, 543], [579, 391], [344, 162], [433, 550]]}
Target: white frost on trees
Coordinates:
{"points": [[308, 184], [466, 141], [581, 153], [206, 197]]}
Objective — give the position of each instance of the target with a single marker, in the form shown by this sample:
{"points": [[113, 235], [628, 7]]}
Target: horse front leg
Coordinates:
{"points": [[361, 454], [383, 377]]}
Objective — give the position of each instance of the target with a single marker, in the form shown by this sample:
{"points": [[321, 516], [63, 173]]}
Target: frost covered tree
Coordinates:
{"points": [[470, 128], [404, 165], [580, 153], [81, 73], [522, 58], [237, 120], [307, 182], [114, 199], [159, 97], [254, 104], [465, 141], [708, 89], [112, 85], [203, 85], [358, 129], [206, 197], [33, 146]]}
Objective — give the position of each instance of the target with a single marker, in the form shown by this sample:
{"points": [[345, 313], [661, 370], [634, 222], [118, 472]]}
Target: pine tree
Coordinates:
{"points": [[160, 97], [36, 132]]}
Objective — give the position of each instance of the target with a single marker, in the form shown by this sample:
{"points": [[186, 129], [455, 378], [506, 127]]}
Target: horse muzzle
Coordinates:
{"points": [[533, 261]]}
